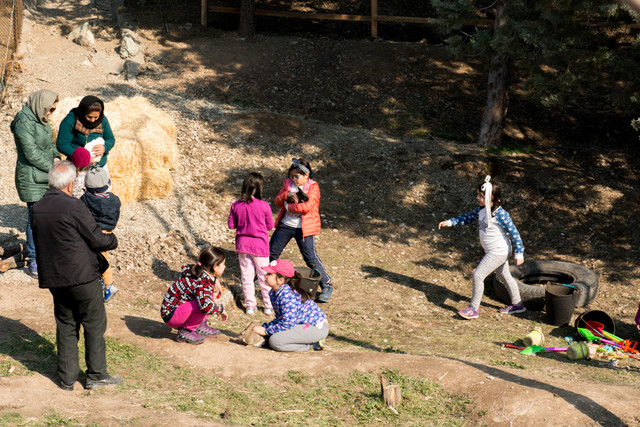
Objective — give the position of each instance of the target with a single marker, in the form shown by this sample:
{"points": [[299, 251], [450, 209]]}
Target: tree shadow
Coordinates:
{"points": [[148, 328], [157, 329], [435, 294], [162, 270], [584, 404], [29, 348]]}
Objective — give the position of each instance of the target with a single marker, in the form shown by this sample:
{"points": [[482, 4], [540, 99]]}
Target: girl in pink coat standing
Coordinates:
{"points": [[252, 219]]}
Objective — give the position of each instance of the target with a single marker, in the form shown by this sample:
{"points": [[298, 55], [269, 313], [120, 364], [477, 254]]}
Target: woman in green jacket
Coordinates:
{"points": [[36, 154], [83, 125]]}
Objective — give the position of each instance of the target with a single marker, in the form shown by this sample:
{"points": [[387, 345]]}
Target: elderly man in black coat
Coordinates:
{"points": [[68, 242]]}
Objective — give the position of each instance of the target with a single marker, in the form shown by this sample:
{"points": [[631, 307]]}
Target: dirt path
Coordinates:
{"points": [[504, 394], [51, 61]]}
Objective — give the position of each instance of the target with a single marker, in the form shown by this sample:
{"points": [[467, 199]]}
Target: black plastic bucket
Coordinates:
{"points": [[596, 316], [310, 280], [560, 301]]}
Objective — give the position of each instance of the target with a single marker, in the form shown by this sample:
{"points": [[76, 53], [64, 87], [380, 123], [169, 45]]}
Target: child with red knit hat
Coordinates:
{"points": [[81, 159]]}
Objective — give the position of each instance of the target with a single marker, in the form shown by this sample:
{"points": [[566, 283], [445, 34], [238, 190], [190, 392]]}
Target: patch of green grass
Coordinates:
{"points": [[31, 353], [420, 133], [452, 136], [296, 377], [241, 102], [509, 149], [144, 302], [295, 399], [54, 419], [514, 365], [11, 419]]}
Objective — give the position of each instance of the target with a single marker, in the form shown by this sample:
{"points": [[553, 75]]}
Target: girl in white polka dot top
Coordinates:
{"points": [[497, 233]]}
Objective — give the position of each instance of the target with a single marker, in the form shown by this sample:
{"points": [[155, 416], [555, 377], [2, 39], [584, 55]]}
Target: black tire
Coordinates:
{"points": [[533, 276]]}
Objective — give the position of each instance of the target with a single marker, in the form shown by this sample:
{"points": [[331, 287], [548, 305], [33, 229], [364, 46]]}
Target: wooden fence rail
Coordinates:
{"points": [[373, 18]]}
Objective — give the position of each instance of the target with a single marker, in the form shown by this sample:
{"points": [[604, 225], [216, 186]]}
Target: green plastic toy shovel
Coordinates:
{"points": [[533, 349]]}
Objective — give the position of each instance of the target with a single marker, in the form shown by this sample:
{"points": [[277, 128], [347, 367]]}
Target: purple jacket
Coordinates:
{"points": [[252, 221], [638, 316]]}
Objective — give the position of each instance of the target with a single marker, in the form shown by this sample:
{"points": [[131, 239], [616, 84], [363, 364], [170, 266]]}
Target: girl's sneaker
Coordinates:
{"points": [[268, 311], [469, 313], [514, 309], [109, 292], [320, 345], [206, 330], [250, 311], [190, 337], [325, 295]]}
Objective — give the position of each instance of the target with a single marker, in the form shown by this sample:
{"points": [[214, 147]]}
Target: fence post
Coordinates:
{"points": [[374, 18], [204, 10], [247, 18]]}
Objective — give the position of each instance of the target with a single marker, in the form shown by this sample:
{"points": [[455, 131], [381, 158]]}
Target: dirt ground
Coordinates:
{"points": [[252, 105]]}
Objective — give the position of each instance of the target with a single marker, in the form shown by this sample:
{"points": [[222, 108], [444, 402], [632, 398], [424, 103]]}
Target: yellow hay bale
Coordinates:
{"points": [[154, 182], [156, 154], [125, 169], [145, 149]]}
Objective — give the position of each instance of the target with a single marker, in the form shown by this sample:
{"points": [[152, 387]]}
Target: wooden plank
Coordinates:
{"points": [[342, 17]]}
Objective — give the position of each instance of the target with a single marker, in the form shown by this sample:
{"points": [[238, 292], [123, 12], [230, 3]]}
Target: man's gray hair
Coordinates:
{"points": [[61, 174]]}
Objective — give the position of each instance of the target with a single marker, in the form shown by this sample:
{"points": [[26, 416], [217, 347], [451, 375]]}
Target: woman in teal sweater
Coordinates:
{"points": [[36, 154], [84, 124]]}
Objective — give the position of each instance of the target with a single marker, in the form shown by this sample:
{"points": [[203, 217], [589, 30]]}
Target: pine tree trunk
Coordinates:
{"points": [[247, 18], [495, 109]]}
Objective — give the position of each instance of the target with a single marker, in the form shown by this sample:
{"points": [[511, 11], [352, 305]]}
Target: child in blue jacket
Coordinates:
{"points": [[299, 324]]}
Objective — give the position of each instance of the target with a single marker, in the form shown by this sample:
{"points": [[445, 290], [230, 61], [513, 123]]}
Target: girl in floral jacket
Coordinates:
{"points": [[191, 299]]}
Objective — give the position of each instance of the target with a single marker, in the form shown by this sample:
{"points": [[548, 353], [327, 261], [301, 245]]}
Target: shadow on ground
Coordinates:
{"points": [[29, 348], [582, 403]]}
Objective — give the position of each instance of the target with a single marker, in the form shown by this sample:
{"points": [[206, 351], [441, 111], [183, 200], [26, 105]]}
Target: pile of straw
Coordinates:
{"points": [[145, 149]]}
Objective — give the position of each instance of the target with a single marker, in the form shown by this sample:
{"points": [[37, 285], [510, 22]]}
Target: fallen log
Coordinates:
{"points": [[16, 261], [8, 249]]}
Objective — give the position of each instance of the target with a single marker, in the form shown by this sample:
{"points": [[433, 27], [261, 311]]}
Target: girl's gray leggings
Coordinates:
{"points": [[299, 338], [490, 263]]}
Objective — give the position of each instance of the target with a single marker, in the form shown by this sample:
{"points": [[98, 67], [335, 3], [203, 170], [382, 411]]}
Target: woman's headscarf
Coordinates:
{"points": [[81, 111], [40, 103]]}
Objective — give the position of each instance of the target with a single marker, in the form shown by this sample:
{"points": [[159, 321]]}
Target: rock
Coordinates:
{"points": [[86, 39], [82, 35], [128, 47], [131, 69], [109, 62]]}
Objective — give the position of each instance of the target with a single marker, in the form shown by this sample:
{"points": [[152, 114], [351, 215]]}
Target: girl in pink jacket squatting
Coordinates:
{"points": [[300, 324], [252, 219], [191, 299]]}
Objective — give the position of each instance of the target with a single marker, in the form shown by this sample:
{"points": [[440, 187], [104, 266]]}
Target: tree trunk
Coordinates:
{"points": [[247, 18], [495, 109]]}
